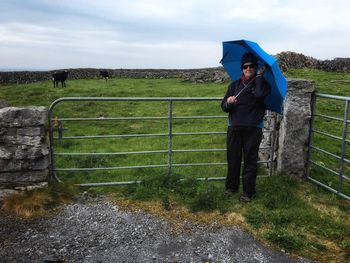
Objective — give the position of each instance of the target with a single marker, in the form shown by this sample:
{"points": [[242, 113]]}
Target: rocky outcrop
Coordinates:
{"points": [[24, 152]]}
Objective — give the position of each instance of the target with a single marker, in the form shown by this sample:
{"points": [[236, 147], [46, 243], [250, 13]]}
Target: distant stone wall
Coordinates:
{"points": [[286, 60], [195, 75], [24, 153]]}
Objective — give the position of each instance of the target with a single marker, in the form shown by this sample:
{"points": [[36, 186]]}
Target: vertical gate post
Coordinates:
{"points": [[310, 140], [52, 174], [170, 126], [343, 146], [273, 138], [294, 128]]}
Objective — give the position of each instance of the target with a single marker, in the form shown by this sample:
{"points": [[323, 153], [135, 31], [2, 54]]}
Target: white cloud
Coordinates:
{"points": [[160, 33]]}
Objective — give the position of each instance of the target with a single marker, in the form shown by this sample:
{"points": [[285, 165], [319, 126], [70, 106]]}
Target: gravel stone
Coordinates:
{"points": [[99, 231]]}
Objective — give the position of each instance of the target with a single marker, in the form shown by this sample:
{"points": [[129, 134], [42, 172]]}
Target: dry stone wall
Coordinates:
{"points": [[195, 75], [24, 153], [286, 60]]}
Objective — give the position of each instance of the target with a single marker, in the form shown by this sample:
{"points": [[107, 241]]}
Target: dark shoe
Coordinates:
{"points": [[245, 199]]}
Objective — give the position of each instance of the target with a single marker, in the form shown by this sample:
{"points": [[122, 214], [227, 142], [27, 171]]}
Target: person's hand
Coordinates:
{"points": [[231, 100], [261, 71]]}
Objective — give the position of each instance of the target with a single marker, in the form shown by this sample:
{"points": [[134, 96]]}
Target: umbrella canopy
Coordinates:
{"points": [[231, 61]]}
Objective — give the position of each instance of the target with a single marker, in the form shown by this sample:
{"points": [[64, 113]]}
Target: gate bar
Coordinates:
{"points": [[138, 118], [343, 139], [170, 134], [343, 147]]}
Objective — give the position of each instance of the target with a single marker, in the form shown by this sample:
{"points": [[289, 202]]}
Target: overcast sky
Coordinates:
{"points": [[49, 34]]}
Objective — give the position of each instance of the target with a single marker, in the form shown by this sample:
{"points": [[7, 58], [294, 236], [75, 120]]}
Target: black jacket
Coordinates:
{"points": [[249, 109]]}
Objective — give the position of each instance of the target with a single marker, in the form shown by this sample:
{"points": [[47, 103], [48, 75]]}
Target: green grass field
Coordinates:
{"points": [[288, 214]]}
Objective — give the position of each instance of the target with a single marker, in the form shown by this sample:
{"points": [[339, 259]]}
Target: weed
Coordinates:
{"points": [[166, 202], [156, 186], [38, 202], [28, 204], [206, 199], [256, 216], [286, 239], [346, 246], [187, 187], [279, 192]]}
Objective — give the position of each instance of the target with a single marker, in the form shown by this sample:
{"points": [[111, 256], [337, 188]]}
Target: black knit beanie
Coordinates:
{"points": [[249, 57]]}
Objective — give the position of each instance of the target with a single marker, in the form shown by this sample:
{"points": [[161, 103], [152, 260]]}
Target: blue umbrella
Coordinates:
{"points": [[231, 60]]}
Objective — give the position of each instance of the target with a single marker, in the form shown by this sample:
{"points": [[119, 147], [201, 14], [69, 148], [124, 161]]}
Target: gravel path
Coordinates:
{"points": [[98, 231]]}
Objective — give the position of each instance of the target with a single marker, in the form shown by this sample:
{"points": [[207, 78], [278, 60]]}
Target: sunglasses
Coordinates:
{"points": [[249, 66]]}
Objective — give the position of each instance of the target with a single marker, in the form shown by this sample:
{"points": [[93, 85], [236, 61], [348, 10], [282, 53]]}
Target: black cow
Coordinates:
{"points": [[60, 76], [104, 74]]}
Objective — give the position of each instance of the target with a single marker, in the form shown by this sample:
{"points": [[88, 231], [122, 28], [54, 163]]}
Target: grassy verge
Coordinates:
{"points": [[40, 201], [287, 214]]}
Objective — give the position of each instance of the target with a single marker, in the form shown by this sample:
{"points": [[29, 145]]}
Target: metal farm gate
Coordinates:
{"points": [[328, 155], [170, 115]]}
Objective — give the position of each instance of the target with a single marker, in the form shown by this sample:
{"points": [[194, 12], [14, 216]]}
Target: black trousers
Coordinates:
{"points": [[243, 142]]}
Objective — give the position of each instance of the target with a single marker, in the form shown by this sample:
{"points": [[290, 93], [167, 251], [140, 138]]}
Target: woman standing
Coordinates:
{"points": [[244, 101]]}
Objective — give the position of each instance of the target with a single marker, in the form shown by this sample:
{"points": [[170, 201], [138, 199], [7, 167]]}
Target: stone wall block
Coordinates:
{"points": [[30, 131], [34, 141], [8, 140], [22, 117], [31, 153], [10, 165], [2, 131], [24, 150], [24, 165], [37, 164], [269, 124], [6, 153], [22, 178]]}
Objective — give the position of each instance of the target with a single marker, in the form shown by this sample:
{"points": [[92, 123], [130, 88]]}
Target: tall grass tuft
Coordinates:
{"points": [[196, 195], [279, 192], [207, 198], [39, 201]]}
